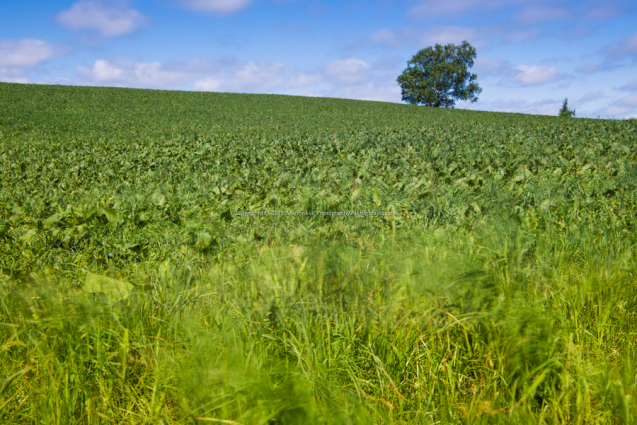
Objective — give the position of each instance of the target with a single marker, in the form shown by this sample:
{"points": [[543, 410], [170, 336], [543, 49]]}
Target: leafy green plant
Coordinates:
{"points": [[172, 257]]}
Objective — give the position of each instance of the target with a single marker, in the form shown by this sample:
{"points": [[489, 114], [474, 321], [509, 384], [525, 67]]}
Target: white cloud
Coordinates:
{"points": [[13, 75], [107, 20], [133, 74], [208, 84], [535, 75], [351, 78], [305, 80], [347, 71], [522, 75], [225, 74], [624, 107], [617, 108], [155, 73], [56, 81], [616, 111], [257, 75], [25, 53], [382, 91], [543, 107], [548, 108], [104, 71], [223, 7]]}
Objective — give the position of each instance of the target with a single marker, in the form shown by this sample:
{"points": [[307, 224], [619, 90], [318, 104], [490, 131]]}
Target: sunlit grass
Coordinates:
{"points": [[451, 326]]}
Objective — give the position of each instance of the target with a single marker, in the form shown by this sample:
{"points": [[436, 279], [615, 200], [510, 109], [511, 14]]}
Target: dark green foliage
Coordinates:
{"points": [[438, 76], [565, 112]]}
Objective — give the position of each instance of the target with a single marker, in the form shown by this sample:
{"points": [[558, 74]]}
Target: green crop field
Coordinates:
{"points": [[174, 257]]}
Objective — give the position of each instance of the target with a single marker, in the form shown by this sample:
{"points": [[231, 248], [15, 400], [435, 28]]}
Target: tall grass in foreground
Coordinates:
{"points": [[491, 326]]}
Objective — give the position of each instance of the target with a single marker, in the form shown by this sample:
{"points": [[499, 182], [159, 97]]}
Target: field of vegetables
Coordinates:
{"points": [[180, 257]]}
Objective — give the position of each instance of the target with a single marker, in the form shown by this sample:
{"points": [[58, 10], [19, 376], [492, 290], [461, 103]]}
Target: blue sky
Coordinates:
{"points": [[531, 54]]}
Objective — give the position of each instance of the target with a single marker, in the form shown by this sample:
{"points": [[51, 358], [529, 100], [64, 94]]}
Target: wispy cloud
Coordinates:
{"points": [[432, 7], [590, 96], [305, 80], [108, 20], [256, 76], [603, 13], [133, 74], [429, 8], [347, 71], [590, 68], [536, 14], [626, 48], [25, 53], [630, 101], [430, 36], [225, 74], [221, 7], [543, 107], [16, 56], [13, 75], [487, 66], [511, 35], [343, 77], [382, 91], [615, 55], [526, 12], [479, 37], [520, 75], [632, 86], [534, 75], [624, 107]]}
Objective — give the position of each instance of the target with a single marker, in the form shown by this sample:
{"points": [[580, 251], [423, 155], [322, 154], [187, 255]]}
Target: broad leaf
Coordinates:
{"points": [[112, 289]]}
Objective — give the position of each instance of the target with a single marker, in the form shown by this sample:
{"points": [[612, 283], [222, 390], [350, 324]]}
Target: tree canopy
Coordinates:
{"points": [[565, 112], [438, 76]]}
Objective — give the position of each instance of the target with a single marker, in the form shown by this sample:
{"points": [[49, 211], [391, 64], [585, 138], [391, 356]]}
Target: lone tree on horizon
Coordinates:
{"points": [[438, 76], [565, 112]]}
